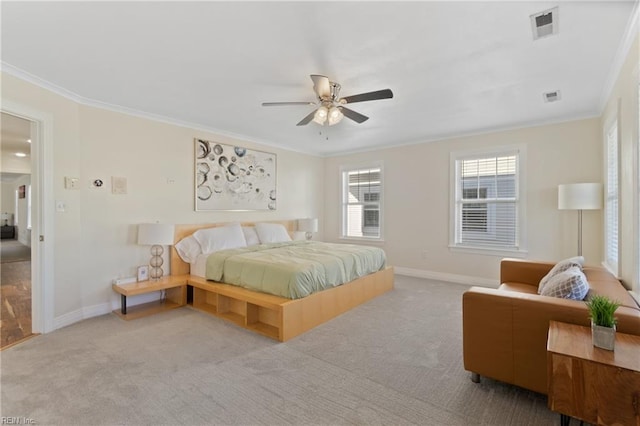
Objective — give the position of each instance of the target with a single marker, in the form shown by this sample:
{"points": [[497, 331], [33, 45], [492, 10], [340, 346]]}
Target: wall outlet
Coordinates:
{"points": [[126, 280], [425, 254]]}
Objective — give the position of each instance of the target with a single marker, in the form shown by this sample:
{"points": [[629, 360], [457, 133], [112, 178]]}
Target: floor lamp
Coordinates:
{"points": [[580, 196]]}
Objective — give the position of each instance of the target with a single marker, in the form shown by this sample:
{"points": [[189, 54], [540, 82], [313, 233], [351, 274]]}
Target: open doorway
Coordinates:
{"points": [[16, 227]]}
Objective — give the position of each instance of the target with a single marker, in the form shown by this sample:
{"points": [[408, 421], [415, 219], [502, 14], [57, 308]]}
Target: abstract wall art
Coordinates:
{"points": [[233, 178]]}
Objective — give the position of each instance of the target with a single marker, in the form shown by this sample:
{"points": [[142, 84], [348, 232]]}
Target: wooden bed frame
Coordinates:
{"points": [[274, 316]]}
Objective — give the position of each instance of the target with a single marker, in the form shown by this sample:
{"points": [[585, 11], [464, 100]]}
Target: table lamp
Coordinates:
{"points": [[308, 226], [156, 235], [580, 196]]}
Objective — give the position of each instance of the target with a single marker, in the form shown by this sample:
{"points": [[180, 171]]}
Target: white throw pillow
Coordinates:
{"points": [[188, 249], [220, 238], [561, 266], [569, 284], [272, 233], [250, 235]]}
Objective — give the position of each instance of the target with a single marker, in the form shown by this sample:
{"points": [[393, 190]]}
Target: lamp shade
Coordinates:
{"points": [[308, 225], [155, 233], [580, 196]]}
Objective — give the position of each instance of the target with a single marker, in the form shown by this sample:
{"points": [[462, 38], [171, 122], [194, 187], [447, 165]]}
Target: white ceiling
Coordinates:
{"points": [[14, 135], [455, 68]]}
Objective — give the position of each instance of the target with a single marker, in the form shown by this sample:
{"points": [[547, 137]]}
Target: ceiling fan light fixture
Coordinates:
{"points": [[331, 109], [321, 115], [335, 116]]}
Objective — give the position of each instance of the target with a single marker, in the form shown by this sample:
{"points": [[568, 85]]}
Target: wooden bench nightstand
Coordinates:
{"points": [[592, 384], [175, 288]]}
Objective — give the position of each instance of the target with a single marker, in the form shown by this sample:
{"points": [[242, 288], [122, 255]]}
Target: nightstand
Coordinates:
{"points": [[175, 287], [7, 232], [592, 384]]}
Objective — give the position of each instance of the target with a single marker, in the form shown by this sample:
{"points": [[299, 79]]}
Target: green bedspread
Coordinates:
{"points": [[294, 269]]}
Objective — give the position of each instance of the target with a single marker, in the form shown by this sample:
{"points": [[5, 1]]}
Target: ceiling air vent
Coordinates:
{"points": [[551, 96], [545, 23]]}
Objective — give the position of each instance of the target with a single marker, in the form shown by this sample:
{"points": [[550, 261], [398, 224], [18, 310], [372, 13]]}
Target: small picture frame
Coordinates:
{"points": [[22, 190], [143, 273]]}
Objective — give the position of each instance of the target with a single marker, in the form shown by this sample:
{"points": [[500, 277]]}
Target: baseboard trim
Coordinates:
{"points": [[443, 276], [100, 309], [105, 308]]}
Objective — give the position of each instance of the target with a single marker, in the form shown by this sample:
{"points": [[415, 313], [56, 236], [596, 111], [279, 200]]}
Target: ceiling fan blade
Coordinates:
{"points": [[355, 116], [307, 119], [321, 85], [286, 103], [369, 96]]}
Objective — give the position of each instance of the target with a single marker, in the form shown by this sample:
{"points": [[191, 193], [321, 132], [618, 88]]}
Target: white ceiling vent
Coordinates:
{"points": [[545, 23], [551, 96]]}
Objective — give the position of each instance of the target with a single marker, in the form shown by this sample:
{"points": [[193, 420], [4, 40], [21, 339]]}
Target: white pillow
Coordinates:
{"points": [[250, 235], [561, 266], [569, 284], [272, 233], [220, 238], [188, 249]]}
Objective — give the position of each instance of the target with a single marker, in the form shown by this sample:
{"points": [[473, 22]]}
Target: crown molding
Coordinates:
{"points": [[61, 91], [632, 31]]}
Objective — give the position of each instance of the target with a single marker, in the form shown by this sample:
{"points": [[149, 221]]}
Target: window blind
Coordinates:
{"points": [[611, 207], [487, 202], [361, 196]]}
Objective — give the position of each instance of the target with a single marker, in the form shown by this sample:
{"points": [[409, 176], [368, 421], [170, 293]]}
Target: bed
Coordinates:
{"points": [[273, 315]]}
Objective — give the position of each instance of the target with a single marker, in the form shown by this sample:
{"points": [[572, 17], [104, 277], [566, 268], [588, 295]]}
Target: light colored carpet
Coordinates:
{"points": [[395, 360]]}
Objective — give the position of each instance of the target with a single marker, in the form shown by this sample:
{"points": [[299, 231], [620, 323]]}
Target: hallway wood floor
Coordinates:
{"points": [[15, 302]]}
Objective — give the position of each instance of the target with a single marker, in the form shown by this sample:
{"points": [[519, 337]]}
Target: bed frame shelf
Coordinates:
{"points": [[280, 318], [272, 316]]}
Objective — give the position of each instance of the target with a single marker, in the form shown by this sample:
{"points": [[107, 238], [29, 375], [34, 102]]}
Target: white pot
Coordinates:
{"points": [[603, 337]]}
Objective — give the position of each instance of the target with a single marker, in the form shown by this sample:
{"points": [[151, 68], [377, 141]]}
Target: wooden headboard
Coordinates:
{"points": [[180, 267]]}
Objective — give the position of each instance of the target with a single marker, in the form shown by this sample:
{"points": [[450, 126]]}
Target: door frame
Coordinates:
{"points": [[42, 223]]}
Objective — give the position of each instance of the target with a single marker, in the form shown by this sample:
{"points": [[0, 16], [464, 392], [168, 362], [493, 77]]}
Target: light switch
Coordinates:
{"points": [[71, 183]]}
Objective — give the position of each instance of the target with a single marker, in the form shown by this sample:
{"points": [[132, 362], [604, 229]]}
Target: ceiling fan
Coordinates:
{"points": [[330, 105]]}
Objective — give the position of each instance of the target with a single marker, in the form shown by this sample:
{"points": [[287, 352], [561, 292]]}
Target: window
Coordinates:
{"points": [[361, 202], [611, 202], [486, 201]]}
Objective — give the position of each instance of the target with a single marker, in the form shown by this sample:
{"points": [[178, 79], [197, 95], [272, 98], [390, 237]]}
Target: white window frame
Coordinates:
{"points": [[455, 245], [611, 259], [344, 203]]}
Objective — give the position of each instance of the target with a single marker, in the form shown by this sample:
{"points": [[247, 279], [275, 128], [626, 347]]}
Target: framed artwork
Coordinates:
{"points": [[143, 273], [233, 178], [22, 191]]}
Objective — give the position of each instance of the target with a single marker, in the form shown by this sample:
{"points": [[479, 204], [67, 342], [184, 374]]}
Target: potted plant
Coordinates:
{"points": [[603, 323]]}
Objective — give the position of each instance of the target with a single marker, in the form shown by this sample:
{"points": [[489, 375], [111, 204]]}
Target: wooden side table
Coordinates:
{"points": [[592, 384], [175, 287]]}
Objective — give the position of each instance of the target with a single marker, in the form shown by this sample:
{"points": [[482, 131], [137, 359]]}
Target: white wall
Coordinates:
{"points": [[95, 236], [7, 199], [623, 102], [416, 198]]}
